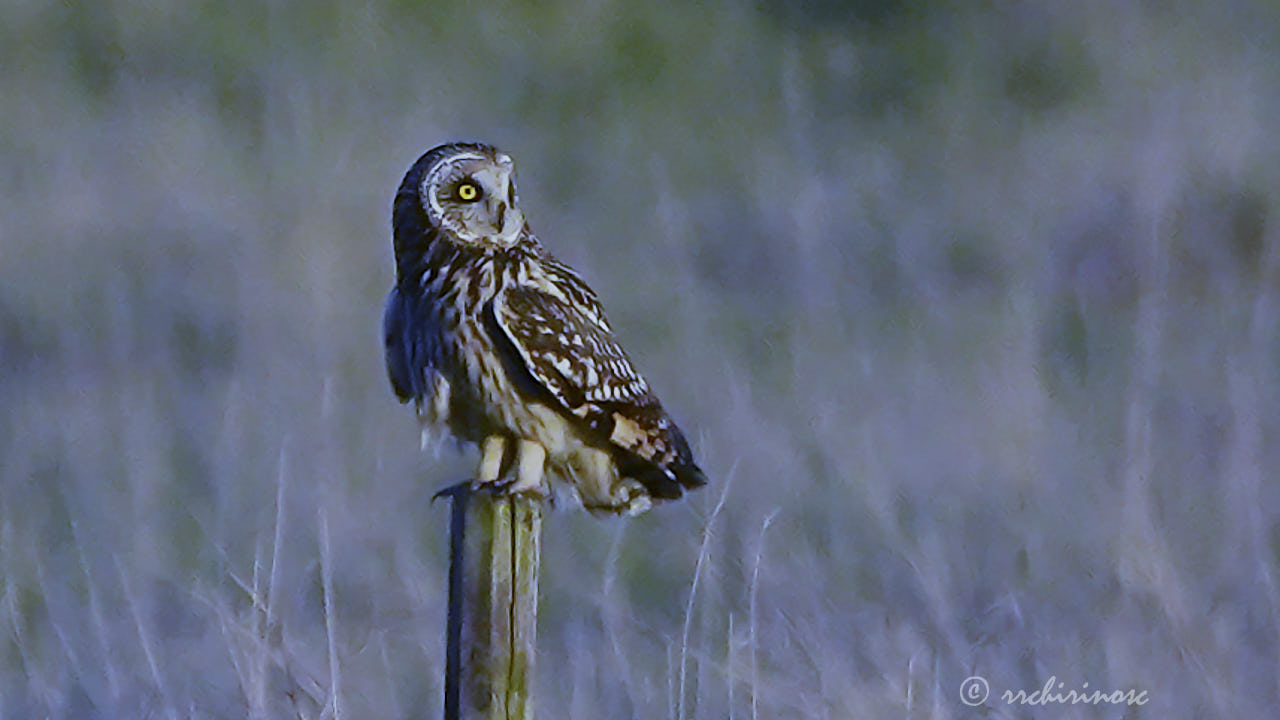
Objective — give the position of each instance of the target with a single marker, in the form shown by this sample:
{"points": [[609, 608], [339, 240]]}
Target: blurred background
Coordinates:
{"points": [[969, 310]]}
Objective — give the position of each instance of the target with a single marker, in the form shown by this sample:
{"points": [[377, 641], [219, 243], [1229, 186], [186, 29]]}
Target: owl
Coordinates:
{"points": [[495, 341]]}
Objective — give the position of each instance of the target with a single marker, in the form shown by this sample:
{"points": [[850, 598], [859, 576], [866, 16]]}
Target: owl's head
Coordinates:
{"points": [[468, 190]]}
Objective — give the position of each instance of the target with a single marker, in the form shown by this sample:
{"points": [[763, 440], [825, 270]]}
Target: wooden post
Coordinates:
{"points": [[495, 615]]}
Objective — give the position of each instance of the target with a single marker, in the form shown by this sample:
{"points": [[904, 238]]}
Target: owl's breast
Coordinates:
{"points": [[490, 391]]}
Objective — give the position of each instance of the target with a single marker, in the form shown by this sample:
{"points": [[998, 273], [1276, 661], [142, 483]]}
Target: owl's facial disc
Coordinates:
{"points": [[474, 198]]}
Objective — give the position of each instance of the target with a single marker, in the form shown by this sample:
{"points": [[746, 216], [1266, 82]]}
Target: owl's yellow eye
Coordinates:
{"points": [[468, 192]]}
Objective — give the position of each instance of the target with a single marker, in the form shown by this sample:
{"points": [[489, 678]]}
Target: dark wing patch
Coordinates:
{"points": [[568, 347], [406, 340]]}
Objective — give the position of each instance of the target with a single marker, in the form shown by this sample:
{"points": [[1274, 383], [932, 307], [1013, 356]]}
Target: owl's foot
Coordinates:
{"points": [[530, 459], [508, 487]]}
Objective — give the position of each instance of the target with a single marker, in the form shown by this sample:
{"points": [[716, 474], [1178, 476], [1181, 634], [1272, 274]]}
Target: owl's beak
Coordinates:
{"points": [[500, 207], [510, 220], [508, 216], [501, 213]]}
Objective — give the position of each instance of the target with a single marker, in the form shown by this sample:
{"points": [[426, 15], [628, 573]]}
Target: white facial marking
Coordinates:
{"points": [[490, 219]]}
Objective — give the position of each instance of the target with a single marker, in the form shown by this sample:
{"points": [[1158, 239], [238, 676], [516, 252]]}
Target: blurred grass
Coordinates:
{"points": [[977, 304]]}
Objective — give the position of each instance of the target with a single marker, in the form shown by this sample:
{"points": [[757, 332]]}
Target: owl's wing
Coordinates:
{"points": [[560, 332], [400, 348], [410, 340]]}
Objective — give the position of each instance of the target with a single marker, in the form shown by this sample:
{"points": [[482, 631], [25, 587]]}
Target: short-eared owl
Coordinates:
{"points": [[494, 339]]}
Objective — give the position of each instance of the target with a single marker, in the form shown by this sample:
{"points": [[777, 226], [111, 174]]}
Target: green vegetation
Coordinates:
{"points": [[969, 309]]}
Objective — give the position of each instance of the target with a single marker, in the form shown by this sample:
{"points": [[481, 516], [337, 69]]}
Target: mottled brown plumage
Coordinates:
{"points": [[493, 339]]}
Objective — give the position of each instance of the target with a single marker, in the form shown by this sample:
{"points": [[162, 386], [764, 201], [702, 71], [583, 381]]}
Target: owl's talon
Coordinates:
{"points": [[492, 487], [507, 488], [453, 491]]}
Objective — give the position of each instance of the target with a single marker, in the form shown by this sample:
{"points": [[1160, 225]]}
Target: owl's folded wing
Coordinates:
{"points": [[560, 332]]}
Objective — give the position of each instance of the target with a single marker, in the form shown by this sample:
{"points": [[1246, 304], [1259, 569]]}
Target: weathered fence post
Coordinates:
{"points": [[492, 636], [500, 625]]}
